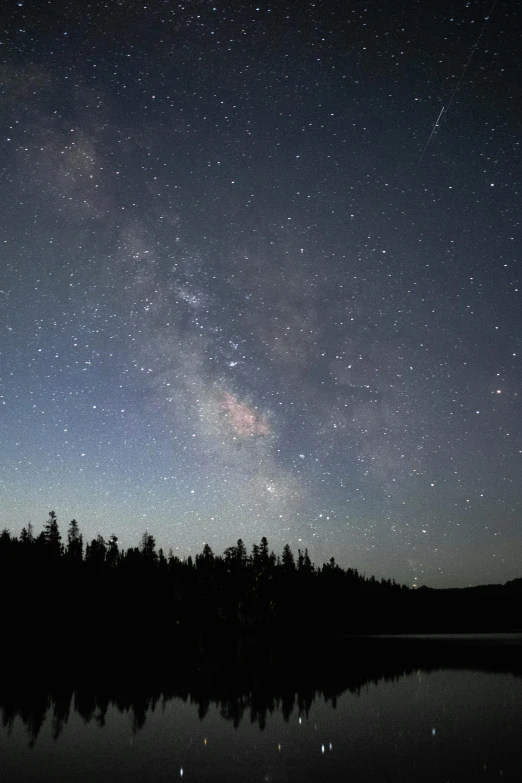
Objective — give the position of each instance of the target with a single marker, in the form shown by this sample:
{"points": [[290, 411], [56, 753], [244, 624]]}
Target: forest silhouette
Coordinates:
{"points": [[97, 598]]}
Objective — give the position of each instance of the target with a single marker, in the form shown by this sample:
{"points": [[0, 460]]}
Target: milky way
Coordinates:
{"points": [[231, 301]]}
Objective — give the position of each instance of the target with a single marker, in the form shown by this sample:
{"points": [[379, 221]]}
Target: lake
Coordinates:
{"points": [[391, 723]]}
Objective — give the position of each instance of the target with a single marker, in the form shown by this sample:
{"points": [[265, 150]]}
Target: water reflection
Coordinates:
{"points": [[92, 702], [376, 712], [251, 684]]}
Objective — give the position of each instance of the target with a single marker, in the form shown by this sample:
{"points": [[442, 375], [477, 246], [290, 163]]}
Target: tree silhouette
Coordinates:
{"points": [[27, 535], [74, 541], [113, 552], [288, 559], [52, 538], [148, 547], [95, 554]]}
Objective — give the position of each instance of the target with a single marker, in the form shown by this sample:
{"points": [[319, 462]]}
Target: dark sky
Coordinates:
{"points": [[236, 298]]}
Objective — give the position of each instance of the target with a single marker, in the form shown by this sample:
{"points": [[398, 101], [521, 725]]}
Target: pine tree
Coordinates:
{"points": [[113, 552], [96, 552], [263, 552], [148, 547], [27, 535], [74, 542], [52, 537], [205, 560], [288, 559], [241, 552]]}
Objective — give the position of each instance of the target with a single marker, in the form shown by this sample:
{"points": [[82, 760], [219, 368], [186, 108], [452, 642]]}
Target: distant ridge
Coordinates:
{"points": [[512, 586]]}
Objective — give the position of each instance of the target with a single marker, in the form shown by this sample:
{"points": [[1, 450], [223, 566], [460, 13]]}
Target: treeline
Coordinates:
{"points": [[101, 596], [100, 584], [102, 556]]}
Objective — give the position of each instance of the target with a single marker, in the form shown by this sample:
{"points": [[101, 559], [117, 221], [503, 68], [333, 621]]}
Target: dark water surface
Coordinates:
{"points": [[391, 723]]}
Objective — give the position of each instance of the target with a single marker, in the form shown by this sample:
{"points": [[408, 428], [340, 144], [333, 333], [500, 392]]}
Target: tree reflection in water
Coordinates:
{"points": [[249, 684]]}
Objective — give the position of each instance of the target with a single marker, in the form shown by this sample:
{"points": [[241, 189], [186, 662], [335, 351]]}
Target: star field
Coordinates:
{"points": [[240, 296]]}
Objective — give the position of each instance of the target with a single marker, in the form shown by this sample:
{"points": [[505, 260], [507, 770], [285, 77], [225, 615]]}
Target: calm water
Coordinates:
{"points": [[445, 725]]}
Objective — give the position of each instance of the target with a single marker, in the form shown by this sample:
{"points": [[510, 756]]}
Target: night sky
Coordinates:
{"points": [[242, 295]]}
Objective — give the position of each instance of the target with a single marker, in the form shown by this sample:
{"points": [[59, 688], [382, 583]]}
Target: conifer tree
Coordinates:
{"points": [[52, 537], [74, 541], [288, 559], [113, 552], [27, 535]]}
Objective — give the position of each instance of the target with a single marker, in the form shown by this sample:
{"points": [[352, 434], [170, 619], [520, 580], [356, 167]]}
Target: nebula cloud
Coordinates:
{"points": [[244, 421]]}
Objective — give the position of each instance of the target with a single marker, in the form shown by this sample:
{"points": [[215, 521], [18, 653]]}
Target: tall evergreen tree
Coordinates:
{"points": [[27, 535], [288, 559], [96, 552], [205, 560], [236, 557], [263, 552], [52, 537], [148, 547], [113, 552], [74, 541]]}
